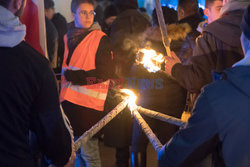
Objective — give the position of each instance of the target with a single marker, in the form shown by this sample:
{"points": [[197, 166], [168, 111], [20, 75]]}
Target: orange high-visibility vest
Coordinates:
{"points": [[83, 58]]}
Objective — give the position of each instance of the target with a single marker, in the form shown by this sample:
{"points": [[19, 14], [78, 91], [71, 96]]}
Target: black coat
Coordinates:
{"points": [[52, 40], [126, 27], [166, 96], [29, 101], [60, 23]]}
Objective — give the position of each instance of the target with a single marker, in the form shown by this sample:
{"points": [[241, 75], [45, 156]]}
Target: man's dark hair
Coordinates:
{"points": [[49, 4], [76, 3], [189, 6], [110, 10], [5, 3], [210, 2], [123, 5], [170, 16], [142, 9]]}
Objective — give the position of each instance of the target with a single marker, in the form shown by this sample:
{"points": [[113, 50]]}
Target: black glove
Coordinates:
{"points": [[76, 77]]}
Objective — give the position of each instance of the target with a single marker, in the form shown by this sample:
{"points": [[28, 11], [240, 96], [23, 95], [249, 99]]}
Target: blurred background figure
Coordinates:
{"points": [[110, 14], [51, 33], [169, 14], [212, 10], [60, 23], [188, 12], [145, 14]]}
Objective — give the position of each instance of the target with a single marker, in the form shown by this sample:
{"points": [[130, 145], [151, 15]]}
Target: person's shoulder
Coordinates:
{"points": [[217, 90], [30, 54]]}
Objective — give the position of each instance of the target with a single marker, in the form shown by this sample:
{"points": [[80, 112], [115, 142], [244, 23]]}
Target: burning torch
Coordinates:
{"points": [[143, 124]]}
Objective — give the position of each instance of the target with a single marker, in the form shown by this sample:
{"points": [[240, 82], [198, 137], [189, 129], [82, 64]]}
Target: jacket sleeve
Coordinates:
{"points": [[50, 125], [195, 141], [199, 71], [104, 66]]}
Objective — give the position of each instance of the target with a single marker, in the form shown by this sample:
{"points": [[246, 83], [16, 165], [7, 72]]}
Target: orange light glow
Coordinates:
{"points": [[150, 59]]}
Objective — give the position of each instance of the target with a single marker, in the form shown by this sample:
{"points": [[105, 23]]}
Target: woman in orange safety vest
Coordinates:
{"points": [[87, 66]]}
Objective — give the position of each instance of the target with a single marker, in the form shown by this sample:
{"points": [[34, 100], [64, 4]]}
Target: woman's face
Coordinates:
{"points": [[84, 16]]}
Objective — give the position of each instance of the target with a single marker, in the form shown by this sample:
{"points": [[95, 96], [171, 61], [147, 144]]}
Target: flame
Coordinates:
{"points": [[131, 99], [150, 59]]}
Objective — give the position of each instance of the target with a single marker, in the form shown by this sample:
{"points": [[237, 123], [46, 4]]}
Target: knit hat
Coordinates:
{"points": [[49, 4], [109, 11], [123, 5], [170, 16], [245, 24]]}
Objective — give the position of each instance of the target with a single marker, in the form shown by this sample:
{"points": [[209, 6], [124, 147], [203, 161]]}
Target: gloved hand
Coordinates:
{"points": [[76, 77], [68, 75]]}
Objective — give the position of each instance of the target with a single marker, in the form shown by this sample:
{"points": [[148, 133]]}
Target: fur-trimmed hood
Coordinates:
{"points": [[175, 32]]}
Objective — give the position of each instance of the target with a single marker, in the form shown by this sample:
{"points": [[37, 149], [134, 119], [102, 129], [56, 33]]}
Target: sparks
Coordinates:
{"points": [[131, 99], [150, 59]]}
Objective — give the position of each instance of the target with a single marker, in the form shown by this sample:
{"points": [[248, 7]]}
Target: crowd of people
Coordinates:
{"points": [[206, 76]]}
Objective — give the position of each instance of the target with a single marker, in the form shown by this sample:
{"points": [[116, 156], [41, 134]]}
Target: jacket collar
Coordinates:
{"points": [[245, 61]]}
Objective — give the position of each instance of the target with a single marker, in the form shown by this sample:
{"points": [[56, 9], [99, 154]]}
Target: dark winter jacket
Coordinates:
{"points": [[160, 93], [217, 49], [163, 95], [52, 41], [186, 49], [83, 118], [61, 26], [125, 31], [28, 101], [221, 118]]}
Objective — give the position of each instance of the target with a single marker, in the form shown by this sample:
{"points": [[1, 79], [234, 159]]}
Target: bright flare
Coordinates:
{"points": [[150, 59], [131, 99]]}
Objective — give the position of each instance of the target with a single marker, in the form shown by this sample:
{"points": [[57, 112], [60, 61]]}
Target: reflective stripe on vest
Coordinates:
{"points": [[83, 58]]}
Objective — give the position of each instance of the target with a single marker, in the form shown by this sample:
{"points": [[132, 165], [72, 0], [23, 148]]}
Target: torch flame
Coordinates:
{"points": [[151, 60], [131, 99]]}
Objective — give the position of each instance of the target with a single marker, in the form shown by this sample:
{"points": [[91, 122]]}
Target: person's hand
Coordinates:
{"points": [[170, 62], [68, 74], [70, 163]]}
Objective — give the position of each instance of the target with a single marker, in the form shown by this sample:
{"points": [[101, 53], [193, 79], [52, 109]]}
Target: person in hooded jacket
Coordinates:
{"points": [[188, 12], [221, 117], [87, 66], [29, 100], [110, 14], [217, 49]]}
